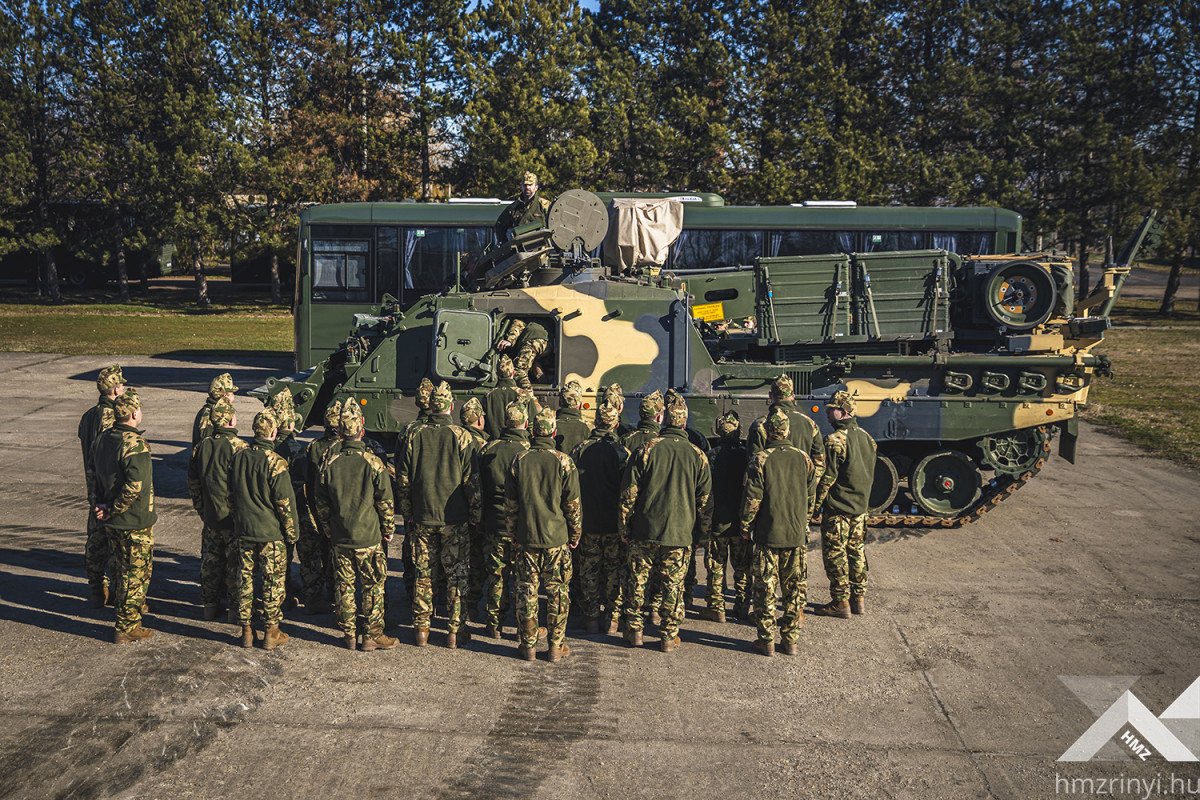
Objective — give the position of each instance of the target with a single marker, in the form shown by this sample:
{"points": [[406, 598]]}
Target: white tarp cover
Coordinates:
{"points": [[640, 231]]}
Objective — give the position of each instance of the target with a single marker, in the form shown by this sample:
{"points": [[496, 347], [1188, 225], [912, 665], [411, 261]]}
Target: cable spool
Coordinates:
{"points": [[1020, 295]]}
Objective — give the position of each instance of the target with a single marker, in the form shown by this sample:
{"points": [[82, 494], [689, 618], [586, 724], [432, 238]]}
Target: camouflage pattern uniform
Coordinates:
{"points": [[358, 523], [601, 461], [531, 340], [774, 515], [648, 428], [700, 441], [497, 399], [522, 212], [438, 482], [208, 484], [614, 396], [219, 388], [544, 517], [423, 395], [725, 545], [495, 461], [665, 496], [263, 502], [316, 554], [470, 415], [296, 456], [123, 480], [843, 497], [571, 428], [804, 432], [98, 558]]}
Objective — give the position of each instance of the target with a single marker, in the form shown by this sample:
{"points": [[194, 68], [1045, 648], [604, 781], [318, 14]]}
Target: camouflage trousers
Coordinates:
{"points": [[739, 554], [269, 559], [552, 566], [477, 574], [783, 570], [498, 569], [526, 362], [219, 567], [135, 561], [316, 561], [366, 566], [450, 546], [599, 559], [99, 559], [845, 554], [669, 565]]}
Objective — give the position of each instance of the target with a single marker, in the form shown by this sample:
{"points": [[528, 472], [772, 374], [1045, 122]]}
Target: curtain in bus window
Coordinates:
{"points": [[340, 270], [967, 243], [700, 249], [944, 241], [810, 243], [888, 241], [387, 259]]}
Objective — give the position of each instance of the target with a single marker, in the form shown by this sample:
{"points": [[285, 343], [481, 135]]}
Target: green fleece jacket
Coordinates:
{"points": [[208, 477], [775, 500], [665, 494], [261, 495], [542, 506], [123, 478], [354, 498]]}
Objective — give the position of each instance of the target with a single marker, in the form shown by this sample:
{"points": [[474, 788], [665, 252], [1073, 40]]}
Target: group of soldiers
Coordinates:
{"points": [[509, 501]]}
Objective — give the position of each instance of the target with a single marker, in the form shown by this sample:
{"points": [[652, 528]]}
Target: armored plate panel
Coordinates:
{"points": [[578, 214]]}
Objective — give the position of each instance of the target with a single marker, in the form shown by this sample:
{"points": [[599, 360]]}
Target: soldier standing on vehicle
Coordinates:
{"points": [[439, 498], [316, 555], [725, 545], [354, 504], [208, 483], [532, 343], [544, 518], [497, 399], [601, 462], [572, 430], [123, 490], [220, 388], [263, 504], [98, 560], [528, 206], [804, 432], [774, 516], [665, 496], [843, 497], [495, 461]]}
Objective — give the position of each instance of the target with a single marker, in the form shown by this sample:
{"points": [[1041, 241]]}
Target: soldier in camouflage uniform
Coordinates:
{"points": [[729, 461], [495, 461], [844, 496], [208, 484], [98, 560], [804, 432], [423, 394], [123, 491], [774, 516], [294, 452], [316, 555], [263, 503], [219, 388], [649, 424], [497, 399], [471, 417], [665, 496], [572, 430], [601, 461], [544, 517], [438, 484], [531, 340], [358, 522], [529, 206]]}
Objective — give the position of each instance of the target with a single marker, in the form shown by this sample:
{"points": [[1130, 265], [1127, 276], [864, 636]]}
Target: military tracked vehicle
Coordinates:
{"points": [[964, 367]]}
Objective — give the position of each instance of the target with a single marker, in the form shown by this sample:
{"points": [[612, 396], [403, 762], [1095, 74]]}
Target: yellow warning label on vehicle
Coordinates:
{"points": [[709, 312]]}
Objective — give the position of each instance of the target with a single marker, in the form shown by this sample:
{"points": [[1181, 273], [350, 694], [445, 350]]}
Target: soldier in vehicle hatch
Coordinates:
{"points": [[528, 206], [532, 343]]}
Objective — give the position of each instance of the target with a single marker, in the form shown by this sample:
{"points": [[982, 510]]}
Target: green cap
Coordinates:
{"points": [[782, 388], [221, 414], [266, 424], [222, 384], [424, 392], [614, 396], [471, 411], [545, 423], [845, 401], [351, 422], [607, 417], [727, 423], [504, 366], [515, 415], [333, 413], [677, 413], [126, 404], [109, 377], [571, 395], [652, 404], [442, 399], [777, 424]]}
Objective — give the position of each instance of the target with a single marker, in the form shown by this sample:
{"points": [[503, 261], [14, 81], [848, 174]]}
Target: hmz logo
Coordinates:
{"points": [[1133, 727]]}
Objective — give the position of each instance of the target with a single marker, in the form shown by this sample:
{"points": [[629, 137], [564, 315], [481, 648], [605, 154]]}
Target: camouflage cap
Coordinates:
{"points": [[109, 377], [284, 406], [504, 367], [529, 177], [652, 405], [424, 392], [727, 423], [442, 399], [545, 423], [221, 414], [266, 424], [333, 414], [677, 414], [571, 395], [782, 387], [222, 384], [607, 417], [615, 396], [126, 404], [672, 396], [843, 400], [351, 423], [471, 411], [515, 415], [777, 425]]}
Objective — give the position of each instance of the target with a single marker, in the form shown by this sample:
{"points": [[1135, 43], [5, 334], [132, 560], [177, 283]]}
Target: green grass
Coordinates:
{"points": [[1153, 400]]}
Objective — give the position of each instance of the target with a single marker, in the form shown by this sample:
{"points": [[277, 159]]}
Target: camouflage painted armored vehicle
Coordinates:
{"points": [[964, 368]]}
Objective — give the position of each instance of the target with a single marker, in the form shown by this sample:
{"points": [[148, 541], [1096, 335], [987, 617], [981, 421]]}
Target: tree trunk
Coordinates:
{"points": [[122, 274], [1108, 250], [1084, 278], [201, 280], [276, 294], [50, 275], [1168, 302]]}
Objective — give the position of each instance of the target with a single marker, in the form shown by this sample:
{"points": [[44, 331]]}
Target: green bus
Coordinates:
{"points": [[352, 254]]}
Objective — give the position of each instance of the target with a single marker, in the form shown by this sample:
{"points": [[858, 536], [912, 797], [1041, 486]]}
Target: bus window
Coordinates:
{"points": [[340, 270], [700, 249], [810, 243], [889, 241], [387, 262], [429, 256], [967, 243]]}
